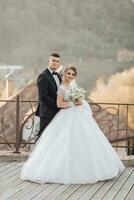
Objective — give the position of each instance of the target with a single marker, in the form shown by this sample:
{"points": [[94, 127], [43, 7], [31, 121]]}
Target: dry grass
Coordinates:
{"points": [[118, 89]]}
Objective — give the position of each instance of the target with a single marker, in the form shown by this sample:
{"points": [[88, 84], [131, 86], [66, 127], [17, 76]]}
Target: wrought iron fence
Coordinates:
{"points": [[19, 125]]}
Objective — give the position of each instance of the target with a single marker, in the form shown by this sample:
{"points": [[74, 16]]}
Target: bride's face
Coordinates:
{"points": [[70, 75]]}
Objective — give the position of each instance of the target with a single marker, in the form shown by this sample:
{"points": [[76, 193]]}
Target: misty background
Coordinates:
{"points": [[96, 36]]}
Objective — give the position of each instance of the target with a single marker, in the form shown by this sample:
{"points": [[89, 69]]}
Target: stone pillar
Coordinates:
{"points": [[1, 89], [9, 86]]}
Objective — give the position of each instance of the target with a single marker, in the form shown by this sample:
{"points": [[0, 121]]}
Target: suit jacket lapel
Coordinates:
{"points": [[52, 78], [60, 79]]}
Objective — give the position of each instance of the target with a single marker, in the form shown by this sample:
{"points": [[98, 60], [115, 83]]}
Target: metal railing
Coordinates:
{"points": [[18, 124]]}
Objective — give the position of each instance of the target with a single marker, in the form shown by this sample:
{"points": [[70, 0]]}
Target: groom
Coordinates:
{"points": [[48, 82]]}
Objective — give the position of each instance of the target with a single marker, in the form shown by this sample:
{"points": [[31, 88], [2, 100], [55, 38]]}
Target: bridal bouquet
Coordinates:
{"points": [[76, 94]]}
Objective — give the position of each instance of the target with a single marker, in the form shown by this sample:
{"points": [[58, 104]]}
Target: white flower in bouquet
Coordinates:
{"points": [[76, 94]]}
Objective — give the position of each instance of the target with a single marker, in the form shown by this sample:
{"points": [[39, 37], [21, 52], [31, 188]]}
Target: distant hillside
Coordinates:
{"points": [[31, 29], [86, 33]]}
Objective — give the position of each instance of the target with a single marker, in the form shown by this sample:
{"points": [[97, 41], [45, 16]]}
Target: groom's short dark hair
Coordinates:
{"points": [[55, 55]]}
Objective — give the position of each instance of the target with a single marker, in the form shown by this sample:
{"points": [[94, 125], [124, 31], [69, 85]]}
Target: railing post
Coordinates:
{"points": [[17, 125]]}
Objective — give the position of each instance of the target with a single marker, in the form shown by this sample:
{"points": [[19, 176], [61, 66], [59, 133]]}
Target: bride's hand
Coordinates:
{"points": [[65, 104], [78, 103]]}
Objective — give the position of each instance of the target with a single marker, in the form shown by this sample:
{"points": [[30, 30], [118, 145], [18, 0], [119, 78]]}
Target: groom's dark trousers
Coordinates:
{"points": [[44, 121], [47, 97]]}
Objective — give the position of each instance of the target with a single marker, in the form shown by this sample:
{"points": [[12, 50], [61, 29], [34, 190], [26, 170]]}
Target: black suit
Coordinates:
{"points": [[47, 92]]}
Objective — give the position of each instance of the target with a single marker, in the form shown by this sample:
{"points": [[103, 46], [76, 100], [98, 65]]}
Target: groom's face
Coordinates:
{"points": [[54, 62]]}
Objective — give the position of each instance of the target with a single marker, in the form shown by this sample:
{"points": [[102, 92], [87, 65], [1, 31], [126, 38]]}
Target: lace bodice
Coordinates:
{"points": [[65, 90]]}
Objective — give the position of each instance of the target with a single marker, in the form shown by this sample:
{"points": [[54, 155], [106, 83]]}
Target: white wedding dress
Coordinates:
{"points": [[72, 149]]}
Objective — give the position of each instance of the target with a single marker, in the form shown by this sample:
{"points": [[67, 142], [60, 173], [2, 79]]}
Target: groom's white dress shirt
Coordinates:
{"points": [[55, 77]]}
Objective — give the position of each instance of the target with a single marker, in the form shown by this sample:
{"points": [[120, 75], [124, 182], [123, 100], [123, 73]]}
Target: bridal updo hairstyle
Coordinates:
{"points": [[70, 67]]}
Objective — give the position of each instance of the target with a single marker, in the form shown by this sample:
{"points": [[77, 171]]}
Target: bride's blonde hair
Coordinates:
{"points": [[70, 67]]}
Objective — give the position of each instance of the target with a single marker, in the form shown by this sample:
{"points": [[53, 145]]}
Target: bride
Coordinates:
{"points": [[72, 149]]}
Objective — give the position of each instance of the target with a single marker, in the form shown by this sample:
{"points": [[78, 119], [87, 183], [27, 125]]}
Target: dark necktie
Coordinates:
{"points": [[54, 73]]}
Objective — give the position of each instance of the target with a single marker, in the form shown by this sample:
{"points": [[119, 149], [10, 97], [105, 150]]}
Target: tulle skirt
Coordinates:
{"points": [[72, 149]]}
